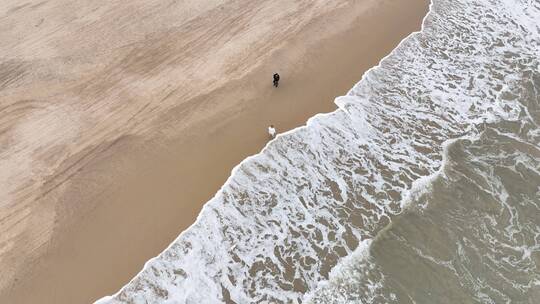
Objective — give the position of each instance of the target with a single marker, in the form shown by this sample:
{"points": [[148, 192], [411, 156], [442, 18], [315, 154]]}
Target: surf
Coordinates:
{"points": [[315, 196]]}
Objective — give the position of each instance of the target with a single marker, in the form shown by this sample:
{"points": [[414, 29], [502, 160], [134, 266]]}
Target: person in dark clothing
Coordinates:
{"points": [[276, 80]]}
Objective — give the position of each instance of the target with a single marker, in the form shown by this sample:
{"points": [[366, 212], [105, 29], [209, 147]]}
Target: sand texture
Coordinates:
{"points": [[119, 119]]}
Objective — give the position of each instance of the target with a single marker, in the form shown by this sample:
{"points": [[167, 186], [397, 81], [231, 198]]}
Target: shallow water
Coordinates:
{"points": [[474, 237], [424, 187]]}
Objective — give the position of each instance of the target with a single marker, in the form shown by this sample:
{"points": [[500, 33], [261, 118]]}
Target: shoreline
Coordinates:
{"points": [[99, 252]]}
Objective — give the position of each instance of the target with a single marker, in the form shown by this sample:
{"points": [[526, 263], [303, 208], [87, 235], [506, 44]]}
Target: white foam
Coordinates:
{"points": [[287, 214]]}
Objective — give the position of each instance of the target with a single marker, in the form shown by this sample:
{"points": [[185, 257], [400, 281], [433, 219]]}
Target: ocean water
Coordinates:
{"points": [[423, 187]]}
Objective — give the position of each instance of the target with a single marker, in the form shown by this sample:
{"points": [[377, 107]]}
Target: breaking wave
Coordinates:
{"points": [[302, 220]]}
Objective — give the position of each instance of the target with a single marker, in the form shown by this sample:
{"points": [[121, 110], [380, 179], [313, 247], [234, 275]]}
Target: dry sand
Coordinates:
{"points": [[119, 119]]}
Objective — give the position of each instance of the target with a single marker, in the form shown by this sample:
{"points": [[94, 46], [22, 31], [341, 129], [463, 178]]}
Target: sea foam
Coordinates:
{"points": [[288, 215]]}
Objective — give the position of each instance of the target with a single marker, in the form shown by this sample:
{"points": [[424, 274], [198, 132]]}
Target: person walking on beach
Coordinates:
{"points": [[272, 132], [276, 80]]}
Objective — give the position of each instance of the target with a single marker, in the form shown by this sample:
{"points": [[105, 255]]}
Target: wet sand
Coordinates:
{"points": [[107, 158]]}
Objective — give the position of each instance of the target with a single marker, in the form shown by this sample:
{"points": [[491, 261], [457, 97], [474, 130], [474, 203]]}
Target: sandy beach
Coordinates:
{"points": [[119, 120]]}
